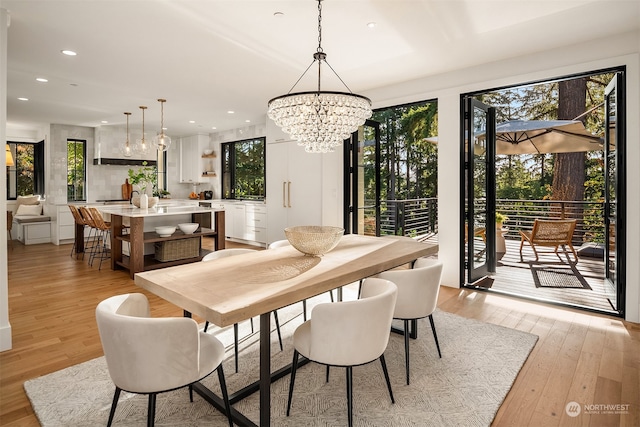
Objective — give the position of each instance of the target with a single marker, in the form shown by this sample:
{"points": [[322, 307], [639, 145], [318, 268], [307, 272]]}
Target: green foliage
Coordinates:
{"points": [[143, 177], [25, 168], [249, 169], [408, 162], [500, 217]]}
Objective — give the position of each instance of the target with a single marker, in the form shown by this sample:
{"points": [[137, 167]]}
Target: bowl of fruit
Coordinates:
{"points": [[194, 195]]}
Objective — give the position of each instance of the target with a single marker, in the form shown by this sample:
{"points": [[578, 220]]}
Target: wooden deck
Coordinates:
{"points": [[552, 278]]}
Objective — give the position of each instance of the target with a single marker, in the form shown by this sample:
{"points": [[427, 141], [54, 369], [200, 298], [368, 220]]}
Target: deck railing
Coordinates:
{"points": [[418, 217]]}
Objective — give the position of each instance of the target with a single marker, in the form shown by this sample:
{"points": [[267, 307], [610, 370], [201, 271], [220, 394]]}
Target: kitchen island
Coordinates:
{"points": [[136, 235]]}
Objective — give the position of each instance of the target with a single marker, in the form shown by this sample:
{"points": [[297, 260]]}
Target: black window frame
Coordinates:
{"points": [[38, 169], [84, 171], [229, 170]]}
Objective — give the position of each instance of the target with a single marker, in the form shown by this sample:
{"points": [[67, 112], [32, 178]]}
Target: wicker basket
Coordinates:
{"points": [[172, 250]]}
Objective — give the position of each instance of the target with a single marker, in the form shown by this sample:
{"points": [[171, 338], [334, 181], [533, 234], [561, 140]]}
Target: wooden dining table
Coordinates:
{"points": [[233, 289]]}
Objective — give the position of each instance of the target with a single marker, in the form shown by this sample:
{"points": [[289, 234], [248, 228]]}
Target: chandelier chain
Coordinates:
{"points": [[319, 26]]}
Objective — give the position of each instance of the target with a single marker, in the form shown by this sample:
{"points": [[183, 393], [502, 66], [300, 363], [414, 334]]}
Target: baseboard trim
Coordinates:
{"points": [[5, 338]]}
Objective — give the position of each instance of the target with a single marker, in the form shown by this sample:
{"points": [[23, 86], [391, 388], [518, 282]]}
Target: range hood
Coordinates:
{"points": [[123, 162], [107, 149]]}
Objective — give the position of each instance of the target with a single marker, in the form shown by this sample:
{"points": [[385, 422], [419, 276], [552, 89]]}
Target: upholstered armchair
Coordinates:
{"points": [[153, 355], [348, 334], [418, 290]]}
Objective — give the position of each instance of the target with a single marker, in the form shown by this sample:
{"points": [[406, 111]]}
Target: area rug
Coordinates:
{"points": [[558, 277], [465, 387]]}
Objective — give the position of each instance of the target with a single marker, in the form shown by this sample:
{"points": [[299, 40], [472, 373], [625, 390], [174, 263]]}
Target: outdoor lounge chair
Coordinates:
{"points": [[552, 233]]}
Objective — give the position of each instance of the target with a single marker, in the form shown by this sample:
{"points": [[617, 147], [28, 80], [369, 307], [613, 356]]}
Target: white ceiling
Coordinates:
{"points": [[208, 57]]}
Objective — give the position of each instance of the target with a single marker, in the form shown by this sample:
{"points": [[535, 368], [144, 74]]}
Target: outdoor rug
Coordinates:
{"points": [[558, 277], [465, 387]]}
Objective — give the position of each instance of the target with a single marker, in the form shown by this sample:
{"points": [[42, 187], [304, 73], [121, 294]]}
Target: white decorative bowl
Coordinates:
{"points": [[166, 230], [314, 240], [208, 152], [152, 201], [188, 227]]}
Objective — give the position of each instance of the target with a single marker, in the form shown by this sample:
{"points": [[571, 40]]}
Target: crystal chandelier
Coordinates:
{"points": [[142, 145], [127, 149], [162, 141], [319, 120]]}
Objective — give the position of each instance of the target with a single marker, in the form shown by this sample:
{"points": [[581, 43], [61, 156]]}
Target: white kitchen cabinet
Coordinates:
{"points": [[302, 188], [239, 222], [192, 164], [294, 188], [256, 223], [62, 227], [235, 222]]}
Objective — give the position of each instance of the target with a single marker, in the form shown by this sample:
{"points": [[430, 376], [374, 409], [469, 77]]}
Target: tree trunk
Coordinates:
{"points": [[569, 168]]}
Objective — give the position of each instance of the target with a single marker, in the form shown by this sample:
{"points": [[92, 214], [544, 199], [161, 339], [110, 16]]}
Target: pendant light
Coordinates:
{"points": [[127, 150], [319, 120], [162, 141], [142, 145]]}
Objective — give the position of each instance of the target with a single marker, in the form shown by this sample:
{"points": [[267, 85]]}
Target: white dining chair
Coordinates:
{"points": [[348, 334], [418, 290], [154, 355], [281, 244], [223, 253]]}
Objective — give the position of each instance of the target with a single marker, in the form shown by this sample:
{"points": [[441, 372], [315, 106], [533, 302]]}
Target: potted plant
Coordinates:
{"points": [[501, 246], [500, 218], [146, 179]]}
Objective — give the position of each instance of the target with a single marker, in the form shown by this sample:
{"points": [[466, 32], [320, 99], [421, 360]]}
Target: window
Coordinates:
{"points": [[243, 169], [26, 176], [76, 170], [161, 166]]}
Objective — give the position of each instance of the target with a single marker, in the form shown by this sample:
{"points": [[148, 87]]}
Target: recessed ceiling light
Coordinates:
{"points": [[104, 122], [23, 99], [247, 121], [192, 121], [230, 112], [371, 24], [214, 128], [68, 52], [41, 80], [278, 14], [73, 84]]}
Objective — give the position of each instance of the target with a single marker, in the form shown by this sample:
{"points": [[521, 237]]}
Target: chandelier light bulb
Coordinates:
{"points": [[161, 141], [127, 150]]}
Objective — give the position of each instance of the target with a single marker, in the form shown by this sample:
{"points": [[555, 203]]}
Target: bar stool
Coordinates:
{"points": [[88, 221], [104, 229], [77, 218]]}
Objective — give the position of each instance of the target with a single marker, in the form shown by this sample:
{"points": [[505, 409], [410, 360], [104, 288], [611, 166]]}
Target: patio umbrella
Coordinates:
{"points": [[538, 136], [543, 136]]}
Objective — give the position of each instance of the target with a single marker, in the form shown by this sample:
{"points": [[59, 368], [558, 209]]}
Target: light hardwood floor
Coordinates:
{"points": [[587, 358]]}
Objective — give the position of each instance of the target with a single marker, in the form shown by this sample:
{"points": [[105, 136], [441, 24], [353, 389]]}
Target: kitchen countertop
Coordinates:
{"points": [[131, 211]]}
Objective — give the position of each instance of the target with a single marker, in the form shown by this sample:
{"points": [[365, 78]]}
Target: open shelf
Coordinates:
{"points": [[150, 263], [152, 236]]}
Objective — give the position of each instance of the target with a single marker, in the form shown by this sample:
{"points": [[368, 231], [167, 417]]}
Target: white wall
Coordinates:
{"points": [[623, 50], [5, 326]]}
